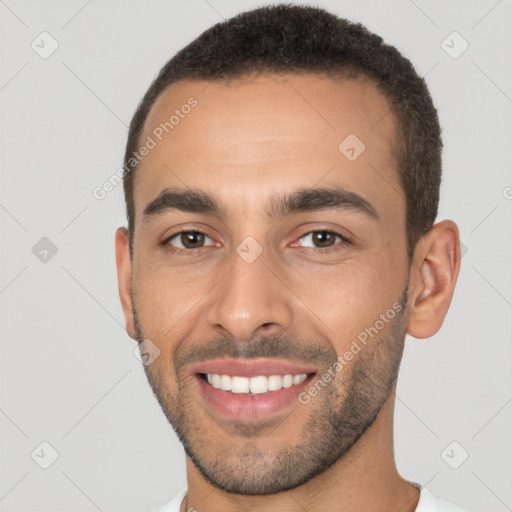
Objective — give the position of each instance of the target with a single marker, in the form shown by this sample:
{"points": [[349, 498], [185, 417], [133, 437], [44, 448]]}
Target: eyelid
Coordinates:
{"points": [[179, 250], [326, 230], [344, 239], [168, 238]]}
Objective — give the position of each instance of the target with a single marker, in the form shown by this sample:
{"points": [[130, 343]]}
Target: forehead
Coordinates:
{"points": [[268, 132]]}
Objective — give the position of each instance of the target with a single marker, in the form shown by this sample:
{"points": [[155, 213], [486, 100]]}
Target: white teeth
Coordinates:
{"points": [[258, 384], [287, 381], [216, 380], [255, 385], [297, 379], [239, 385], [275, 382], [225, 382]]}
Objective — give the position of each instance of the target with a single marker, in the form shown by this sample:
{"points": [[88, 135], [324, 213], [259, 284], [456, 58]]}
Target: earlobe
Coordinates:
{"points": [[434, 273], [124, 279]]}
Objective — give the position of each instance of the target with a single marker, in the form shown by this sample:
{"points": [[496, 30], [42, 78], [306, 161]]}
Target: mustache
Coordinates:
{"points": [[269, 347], [278, 347]]}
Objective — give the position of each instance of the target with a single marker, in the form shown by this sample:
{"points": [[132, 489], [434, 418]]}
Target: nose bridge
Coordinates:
{"points": [[250, 295]]}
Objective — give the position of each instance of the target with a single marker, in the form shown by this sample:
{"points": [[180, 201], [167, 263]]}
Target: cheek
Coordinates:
{"points": [[167, 301], [351, 298]]}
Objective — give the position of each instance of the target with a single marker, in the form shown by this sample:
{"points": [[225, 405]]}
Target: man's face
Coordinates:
{"points": [[264, 287]]}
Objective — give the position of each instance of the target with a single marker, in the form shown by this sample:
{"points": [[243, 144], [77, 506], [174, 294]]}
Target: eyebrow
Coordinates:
{"points": [[301, 200]]}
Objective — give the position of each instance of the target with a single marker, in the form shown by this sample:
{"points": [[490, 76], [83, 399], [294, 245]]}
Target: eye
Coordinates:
{"points": [[322, 239], [186, 240]]}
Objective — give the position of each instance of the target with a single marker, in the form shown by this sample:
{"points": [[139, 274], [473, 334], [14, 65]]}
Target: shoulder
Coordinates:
{"points": [[430, 503], [174, 504], [427, 503]]}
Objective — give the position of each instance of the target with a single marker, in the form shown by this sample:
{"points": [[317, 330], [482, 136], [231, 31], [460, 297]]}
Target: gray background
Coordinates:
{"points": [[68, 373]]}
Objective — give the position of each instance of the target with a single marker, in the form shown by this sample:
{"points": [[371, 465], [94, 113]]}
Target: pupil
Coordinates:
{"points": [[323, 237], [192, 238]]}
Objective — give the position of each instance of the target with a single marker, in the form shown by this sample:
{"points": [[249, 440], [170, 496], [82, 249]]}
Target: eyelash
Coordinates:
{"points": [[181, 252]]}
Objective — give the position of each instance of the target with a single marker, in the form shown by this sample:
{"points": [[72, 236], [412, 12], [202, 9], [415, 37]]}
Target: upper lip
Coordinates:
{"points": [[250, 367]]}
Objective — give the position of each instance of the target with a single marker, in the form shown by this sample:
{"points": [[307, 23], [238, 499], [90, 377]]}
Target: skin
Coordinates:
{"points": [[243, 143]]}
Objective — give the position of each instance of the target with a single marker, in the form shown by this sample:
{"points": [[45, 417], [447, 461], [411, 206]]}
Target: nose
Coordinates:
{"points": [[251, 297]]}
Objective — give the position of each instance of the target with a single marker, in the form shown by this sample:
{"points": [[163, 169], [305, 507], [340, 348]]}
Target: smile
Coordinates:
{"points": [[257, 385], [251, 389]]}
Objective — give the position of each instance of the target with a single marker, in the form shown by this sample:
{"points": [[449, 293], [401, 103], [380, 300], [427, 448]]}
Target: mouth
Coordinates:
{"points": [[251, 390], [250, 386]]}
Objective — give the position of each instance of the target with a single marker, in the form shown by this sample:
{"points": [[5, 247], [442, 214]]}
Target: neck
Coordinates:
{"points": [[364, 479]]}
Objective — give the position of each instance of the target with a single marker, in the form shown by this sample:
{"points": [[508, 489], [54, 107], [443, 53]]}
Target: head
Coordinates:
{"points": [[283, 211]]}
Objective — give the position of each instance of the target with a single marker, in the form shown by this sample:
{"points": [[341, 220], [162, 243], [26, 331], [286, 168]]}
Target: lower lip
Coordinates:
{"points": [[243, 407]]}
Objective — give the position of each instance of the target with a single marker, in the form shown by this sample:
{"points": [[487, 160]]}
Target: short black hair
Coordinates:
{"points": [[298, 39]]}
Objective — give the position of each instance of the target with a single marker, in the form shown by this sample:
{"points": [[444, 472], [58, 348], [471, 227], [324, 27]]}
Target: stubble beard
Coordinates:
{"points": [[252, 464]]}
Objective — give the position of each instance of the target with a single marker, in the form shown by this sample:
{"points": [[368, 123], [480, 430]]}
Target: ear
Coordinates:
{"points": [[434, 272], [124, 279]]}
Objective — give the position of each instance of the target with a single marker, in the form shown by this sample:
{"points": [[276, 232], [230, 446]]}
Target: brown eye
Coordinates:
{"points": [[187, 240], [322, 238], [190, 239]]}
